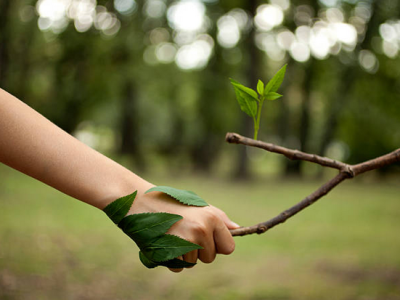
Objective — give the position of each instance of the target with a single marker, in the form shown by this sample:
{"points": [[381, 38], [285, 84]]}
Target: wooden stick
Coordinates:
{"points": [[346, 171]]}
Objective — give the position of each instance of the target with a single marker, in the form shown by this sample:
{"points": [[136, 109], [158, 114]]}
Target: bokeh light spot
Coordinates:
{"points": [[125, 7], [186, 15]]}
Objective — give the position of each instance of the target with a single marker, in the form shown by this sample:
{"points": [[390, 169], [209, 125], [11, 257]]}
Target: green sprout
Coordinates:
{"points": [[251, 103]]}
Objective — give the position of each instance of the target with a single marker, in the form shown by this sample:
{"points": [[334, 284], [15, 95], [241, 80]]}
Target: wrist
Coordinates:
{"points": [[125, 185]]}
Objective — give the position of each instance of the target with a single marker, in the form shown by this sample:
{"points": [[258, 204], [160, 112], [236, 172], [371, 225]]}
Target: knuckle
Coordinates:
{"points": [[212, 217], [200, 229], [224, 214]]}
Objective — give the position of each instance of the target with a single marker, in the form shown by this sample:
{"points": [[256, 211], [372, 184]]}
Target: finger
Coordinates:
{"points": [[207, 254], [228, 222], [191, 257], [176, 270], [223, 239]]}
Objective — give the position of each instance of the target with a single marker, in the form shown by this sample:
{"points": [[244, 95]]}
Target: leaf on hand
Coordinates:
{"points": [[147, 226], [118, 209], [173, 263], [168, 247], [272, 96], [148, 230], [185, 197], [247, 102], [177, 264], [276, 81], [147, 262], [260, 87]]}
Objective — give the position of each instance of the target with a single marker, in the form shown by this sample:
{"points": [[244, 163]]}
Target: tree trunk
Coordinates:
{"points": [[5, 7], [293, 168], [349, 74], [208, 143], [130, 143]]}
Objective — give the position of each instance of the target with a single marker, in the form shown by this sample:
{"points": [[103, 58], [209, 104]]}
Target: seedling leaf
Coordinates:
{"points": [[276, 81], [247, 102], [260, 87], [272, 96], [244, 89]]}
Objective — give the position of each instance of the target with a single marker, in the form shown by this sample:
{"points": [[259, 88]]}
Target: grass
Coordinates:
{"points": [[344, 247]]}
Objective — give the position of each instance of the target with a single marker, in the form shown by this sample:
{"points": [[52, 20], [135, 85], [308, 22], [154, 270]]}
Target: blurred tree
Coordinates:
{"points": [[157, 72], [5, 8], [128, 63], [252, 70]]}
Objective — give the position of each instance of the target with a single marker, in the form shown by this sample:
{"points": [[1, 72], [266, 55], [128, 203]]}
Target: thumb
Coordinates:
{"points": [[231, 225], [228, 222]]}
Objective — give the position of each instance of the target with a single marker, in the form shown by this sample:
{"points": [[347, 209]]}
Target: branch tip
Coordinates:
{"points": [[232, 138]]}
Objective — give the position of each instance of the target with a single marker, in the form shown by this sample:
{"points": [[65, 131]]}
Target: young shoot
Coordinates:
{"points": [[251, 103]]}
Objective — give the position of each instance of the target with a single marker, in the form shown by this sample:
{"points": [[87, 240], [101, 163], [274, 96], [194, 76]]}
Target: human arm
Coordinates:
{"points": [[33, 145]]}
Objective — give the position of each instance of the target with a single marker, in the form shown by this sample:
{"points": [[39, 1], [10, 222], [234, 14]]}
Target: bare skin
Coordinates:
{"points": [[33, 145]]}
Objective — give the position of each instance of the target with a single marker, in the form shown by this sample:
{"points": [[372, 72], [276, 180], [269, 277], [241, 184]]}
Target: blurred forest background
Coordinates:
{"points": [[147, 83], [149, 79]]}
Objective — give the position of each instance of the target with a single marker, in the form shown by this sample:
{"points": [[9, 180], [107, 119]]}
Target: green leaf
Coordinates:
{"points": [[276, 81], [260, 87], [167, 247], [148, 230], [244, 89], [147, 262], [118, 209], [173, 263], [185, 197], [147, 226], [272, 96], [246, 97], [177, 263], [246, 102]]}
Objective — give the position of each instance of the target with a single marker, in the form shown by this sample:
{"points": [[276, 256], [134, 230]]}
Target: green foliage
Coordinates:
{"points": [[276, 81], [167, 247], [118, 209], [148, 230], [141, 227], [260, 87], [272, 96], [251, 103], [247, 100], [26, 253], [173, 263], [185, 197]]}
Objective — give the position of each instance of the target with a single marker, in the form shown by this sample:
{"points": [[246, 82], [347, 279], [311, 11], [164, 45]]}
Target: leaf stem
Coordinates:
{"points": [[257, 121]]}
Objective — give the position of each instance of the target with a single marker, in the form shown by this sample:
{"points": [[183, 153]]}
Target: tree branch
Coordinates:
{"points": [[346, 171]]}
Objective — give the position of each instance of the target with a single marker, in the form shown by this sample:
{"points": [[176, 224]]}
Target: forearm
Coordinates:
{"points": [[33, 145]]}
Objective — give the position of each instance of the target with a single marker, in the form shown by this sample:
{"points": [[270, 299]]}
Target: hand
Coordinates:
{"points": [[206, 226]]}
